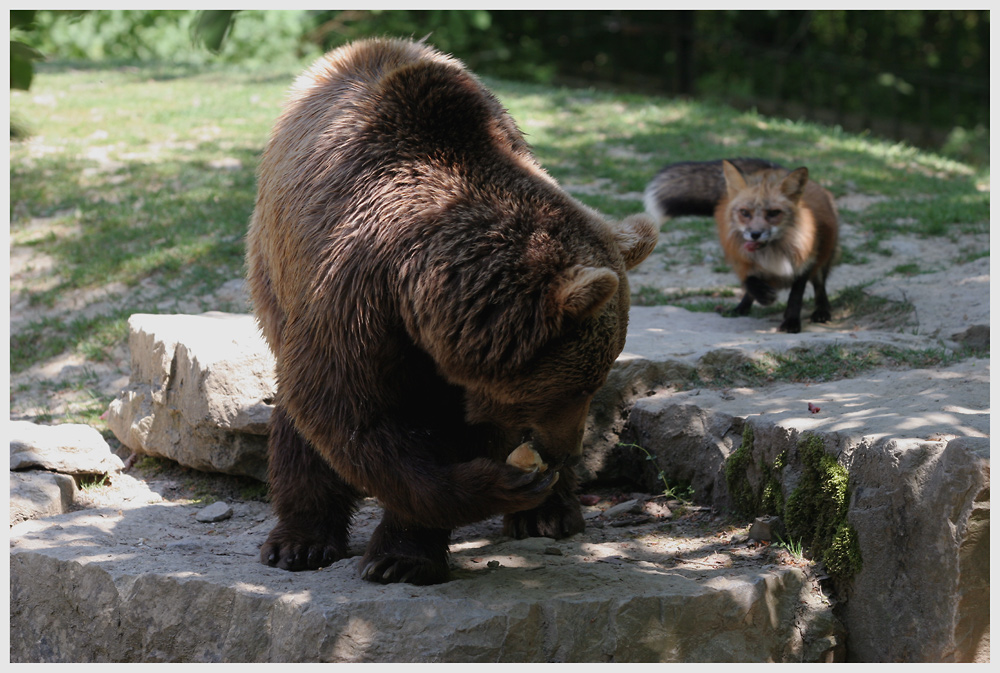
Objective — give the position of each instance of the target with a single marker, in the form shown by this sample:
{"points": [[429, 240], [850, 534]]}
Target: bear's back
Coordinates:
{"points": [[376, 139]]}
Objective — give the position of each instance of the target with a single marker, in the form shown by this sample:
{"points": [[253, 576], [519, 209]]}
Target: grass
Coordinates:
{"points": [[833, 362], [133, 189]]}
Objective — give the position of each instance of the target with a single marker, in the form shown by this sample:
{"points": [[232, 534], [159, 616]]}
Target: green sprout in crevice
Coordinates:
{"points": [[680, 492]]}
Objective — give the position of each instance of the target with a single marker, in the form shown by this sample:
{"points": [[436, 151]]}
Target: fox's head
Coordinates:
{"points": [[763, 205]]}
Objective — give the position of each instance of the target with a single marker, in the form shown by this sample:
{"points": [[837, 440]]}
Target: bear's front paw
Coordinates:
{"points": [[290, 549], [556, 518], [392, 568], [525, 490]]}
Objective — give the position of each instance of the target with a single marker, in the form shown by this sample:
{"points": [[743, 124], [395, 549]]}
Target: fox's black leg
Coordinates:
{"points": [[743, 308], [822, 312], [793, 321], [760, 290]]}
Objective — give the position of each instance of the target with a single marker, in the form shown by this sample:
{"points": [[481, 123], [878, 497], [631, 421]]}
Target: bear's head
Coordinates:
{"points": [[530, 319]]}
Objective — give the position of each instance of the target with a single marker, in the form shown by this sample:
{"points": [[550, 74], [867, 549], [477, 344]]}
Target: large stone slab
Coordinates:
{"points": [[71, 448], [916, 447], [151, 584], [199, 392], [36, 493]]}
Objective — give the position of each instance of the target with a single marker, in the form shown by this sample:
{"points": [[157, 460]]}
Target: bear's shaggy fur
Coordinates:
{"points": [[432, 298]]}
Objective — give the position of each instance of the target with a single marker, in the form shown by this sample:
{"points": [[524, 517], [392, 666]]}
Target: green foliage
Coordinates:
{"points": [[93, 482], [251, 37], [915, 65], [211, 28], [682, 492], [793, 547], [22, 56]]}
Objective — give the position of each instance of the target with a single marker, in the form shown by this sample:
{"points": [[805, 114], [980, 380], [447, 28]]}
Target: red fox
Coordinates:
{"points": [[778, 229]]}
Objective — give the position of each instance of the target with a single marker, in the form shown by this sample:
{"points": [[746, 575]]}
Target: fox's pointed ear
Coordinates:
{"points": [[735, 182], [794, 183], [581, 292], [636, 236]]}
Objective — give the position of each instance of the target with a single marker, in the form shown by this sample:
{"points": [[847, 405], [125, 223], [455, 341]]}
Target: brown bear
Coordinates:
{"points": [[433, 299]]}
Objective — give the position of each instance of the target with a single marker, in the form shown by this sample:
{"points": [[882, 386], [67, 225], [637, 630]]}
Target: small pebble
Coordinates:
{"points": [[217, 511]]}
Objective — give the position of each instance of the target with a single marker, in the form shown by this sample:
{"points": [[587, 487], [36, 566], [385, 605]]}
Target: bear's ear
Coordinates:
{"points": [[735, 182], [636, 236], [582, 292]]}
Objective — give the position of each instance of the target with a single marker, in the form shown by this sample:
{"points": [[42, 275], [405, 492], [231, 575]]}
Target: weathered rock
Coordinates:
{"points": [[36, 494], [107, 585], [921, 510], [976, 337], [199, 392], [766, 529], [622, 508], [916, 448], [217, 511], [71, 448]]}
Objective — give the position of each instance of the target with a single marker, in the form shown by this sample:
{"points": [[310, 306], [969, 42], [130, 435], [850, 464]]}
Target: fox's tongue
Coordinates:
{"points": [[751, 246]]}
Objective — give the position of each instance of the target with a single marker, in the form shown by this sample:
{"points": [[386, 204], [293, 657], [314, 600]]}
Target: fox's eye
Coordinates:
{"points": [[744, 213], [773, 214]]}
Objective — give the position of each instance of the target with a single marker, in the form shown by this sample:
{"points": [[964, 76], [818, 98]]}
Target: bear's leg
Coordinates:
{"points": [[402, 552], [558, 517], [314, 505]]}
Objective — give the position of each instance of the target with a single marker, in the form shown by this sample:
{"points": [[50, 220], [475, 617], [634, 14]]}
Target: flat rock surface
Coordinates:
{"points": [[614, 592], [914, 403]]}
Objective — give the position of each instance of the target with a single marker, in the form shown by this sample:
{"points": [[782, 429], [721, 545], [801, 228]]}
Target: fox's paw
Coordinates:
{"points": [[791, 325], [820, 315]]}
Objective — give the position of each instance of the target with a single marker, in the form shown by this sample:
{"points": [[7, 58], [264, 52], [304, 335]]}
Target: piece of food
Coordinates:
{"points": [[526, 458]]}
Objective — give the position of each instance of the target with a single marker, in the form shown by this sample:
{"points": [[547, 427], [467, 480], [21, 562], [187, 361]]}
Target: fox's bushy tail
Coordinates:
{"points": [[693, 187]]}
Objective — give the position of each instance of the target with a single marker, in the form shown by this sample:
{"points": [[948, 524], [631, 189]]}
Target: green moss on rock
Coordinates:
{"points": [[741, 492], [749, 499], [816, 511]]}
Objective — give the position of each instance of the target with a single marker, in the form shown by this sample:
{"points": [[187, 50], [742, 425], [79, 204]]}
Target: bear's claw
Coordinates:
{"points": [[391, 569], [297, 551]]}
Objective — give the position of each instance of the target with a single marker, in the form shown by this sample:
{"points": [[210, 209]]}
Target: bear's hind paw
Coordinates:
{"points": [[291, 552]]}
